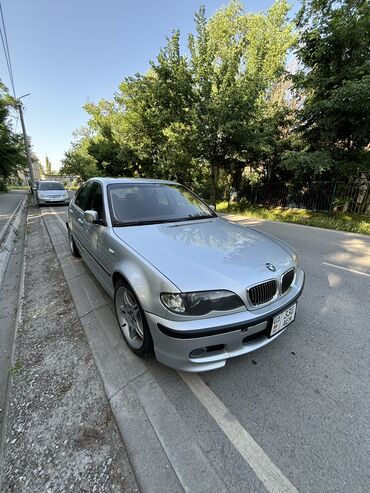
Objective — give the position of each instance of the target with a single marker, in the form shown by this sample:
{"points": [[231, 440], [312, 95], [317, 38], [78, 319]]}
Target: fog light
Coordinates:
{"points": [[196, 353]]}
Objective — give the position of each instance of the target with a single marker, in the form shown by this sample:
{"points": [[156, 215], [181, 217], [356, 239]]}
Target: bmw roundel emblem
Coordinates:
{"points": [[271, 267]]}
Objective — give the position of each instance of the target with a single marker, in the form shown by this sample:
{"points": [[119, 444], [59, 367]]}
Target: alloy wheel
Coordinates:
{"points": [[129, 317]]}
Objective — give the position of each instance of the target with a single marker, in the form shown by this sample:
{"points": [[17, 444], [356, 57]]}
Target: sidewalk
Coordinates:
{"points": [[61, 434]]}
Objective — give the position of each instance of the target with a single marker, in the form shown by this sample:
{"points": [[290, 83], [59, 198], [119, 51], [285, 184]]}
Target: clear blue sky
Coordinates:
{"points": [[68, 52]]}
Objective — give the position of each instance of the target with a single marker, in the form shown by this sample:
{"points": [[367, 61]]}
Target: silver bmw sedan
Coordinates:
{"points": [[188, 286]]}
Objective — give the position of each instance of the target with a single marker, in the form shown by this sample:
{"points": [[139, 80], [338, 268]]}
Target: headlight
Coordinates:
{"points": [[201, 302], [66, 194]]}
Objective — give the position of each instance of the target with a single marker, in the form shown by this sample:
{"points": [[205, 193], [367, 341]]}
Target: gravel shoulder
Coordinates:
{"points": [[61, 434]]}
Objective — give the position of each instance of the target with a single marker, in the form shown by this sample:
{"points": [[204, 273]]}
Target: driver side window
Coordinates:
{"points": [[90, 197], [96, 202], [83, 196]]}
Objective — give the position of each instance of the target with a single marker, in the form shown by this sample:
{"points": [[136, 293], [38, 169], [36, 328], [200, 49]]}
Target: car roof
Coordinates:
{"points": [[108, 180]]}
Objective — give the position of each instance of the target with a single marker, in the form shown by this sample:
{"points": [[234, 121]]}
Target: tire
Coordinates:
{"points": [[72, 245], [131, 320]]}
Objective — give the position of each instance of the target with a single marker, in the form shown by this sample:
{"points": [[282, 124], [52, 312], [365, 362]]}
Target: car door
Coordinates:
{"points": [[76, 211], [95, 234]]}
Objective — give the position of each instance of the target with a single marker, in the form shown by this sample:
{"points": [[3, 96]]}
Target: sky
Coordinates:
{"points": [[68, 52]]}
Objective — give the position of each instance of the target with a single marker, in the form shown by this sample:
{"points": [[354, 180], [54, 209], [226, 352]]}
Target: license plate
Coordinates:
{"points": [[283, 319]]}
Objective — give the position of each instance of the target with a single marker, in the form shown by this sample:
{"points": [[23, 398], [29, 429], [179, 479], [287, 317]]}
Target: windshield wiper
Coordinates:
{"points": [[200, 216], [119, 224]]}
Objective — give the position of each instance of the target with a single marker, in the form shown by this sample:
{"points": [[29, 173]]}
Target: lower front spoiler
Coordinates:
{"points": [[52, 202], [237, 335], [175, 353]]}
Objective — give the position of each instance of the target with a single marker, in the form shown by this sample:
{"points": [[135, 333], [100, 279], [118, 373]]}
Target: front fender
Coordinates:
{"points": [[145, 280]]}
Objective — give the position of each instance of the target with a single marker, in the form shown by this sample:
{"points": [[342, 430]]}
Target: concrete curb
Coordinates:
{"points": [[9, 234], [18, 320], [163, 453]]}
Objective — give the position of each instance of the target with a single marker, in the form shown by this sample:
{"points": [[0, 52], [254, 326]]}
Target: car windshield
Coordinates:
{"points": [[50, 185], [134, 204]]}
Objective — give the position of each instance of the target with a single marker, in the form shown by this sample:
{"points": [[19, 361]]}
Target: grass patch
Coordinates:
{"points": [[340, 221], [16, 368], [18, 187]]}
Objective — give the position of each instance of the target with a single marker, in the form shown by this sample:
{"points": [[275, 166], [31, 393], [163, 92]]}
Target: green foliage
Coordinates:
{"points": [[156, 123], [16, 369], [305, 164], [12, 153], [340, 221], [334, 50], [229, 116], [77, 160], [197, 119], [235, 59]]}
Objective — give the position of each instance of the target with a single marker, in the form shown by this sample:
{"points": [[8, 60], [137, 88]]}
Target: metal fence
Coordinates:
{"points": [[327, 196]]}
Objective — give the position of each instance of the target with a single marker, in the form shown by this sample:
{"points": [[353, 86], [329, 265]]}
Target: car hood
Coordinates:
{"points": [[208, 253]]}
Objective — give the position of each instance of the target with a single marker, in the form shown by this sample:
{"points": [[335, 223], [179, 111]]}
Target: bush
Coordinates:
{"points": [[3, 187]]}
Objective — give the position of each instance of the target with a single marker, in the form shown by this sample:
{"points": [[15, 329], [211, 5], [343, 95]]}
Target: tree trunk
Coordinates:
{"points": [[237, 178]]}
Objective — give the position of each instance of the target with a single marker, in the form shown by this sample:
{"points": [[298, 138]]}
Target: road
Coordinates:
{"points": [[302, 403], [8, 204]]}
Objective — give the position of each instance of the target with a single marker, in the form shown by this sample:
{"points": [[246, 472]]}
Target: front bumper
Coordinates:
{"points": [[53, 202], [226, 336]]}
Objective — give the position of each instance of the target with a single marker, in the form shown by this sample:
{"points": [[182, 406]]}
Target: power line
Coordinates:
{"points": [[4, 39], [6, 56], [9, 61]]}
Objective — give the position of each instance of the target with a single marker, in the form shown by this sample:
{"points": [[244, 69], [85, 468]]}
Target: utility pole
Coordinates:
{"points": [[26, 143]]}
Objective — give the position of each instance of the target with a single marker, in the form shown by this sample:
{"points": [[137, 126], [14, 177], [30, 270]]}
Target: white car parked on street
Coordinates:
{"points": [[51, 192]]}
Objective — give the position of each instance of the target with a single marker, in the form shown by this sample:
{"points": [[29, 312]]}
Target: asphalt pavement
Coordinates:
{"points": [[8, 203], [301, 404]]}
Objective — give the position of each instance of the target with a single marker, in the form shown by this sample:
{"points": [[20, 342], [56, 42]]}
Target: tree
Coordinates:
{"points": [[235, 58], [147, 129], [12, 153], [105, 145], [158, 122], [48, 169], [77, 160], [334, 51], [188, 118]]}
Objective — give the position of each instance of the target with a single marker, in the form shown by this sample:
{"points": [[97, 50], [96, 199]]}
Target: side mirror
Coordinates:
{"points": [[91, 217], [212, 207]]}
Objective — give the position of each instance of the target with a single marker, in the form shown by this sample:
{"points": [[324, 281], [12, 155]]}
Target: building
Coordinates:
{"points": [[66, 180]]}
